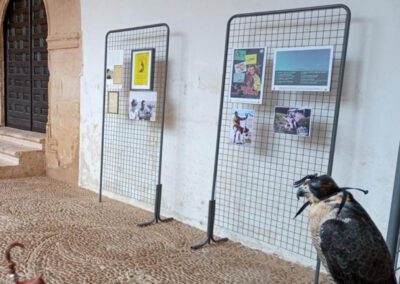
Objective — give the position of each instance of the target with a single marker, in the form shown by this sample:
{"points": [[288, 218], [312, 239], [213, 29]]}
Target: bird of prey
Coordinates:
{"points": [[347, 241]]}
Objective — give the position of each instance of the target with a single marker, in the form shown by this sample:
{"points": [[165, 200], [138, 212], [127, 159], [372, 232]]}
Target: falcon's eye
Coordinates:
{"points": [[315, 183]]}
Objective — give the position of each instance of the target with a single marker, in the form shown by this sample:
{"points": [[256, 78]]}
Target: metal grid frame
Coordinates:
{"points": [[253, 186], [131, 155], [393, 235]]}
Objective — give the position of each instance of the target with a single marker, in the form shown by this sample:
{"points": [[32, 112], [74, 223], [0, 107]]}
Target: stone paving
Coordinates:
{"points": [[71, 238]]}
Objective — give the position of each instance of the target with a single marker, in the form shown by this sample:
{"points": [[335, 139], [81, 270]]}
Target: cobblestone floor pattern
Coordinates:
{"points": [[72, 238]]}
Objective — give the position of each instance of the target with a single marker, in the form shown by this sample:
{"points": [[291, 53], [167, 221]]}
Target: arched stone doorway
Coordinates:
{"points": [[65, 67], [26, 70]]}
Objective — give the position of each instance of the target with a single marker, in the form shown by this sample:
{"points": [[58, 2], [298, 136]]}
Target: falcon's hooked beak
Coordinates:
{"points": [[302, 184], [304, 191], [301, 192]]}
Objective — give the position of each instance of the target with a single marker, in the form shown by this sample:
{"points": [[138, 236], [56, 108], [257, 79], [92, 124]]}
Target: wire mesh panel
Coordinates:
{"points": [[393, 234], [254, 185], [131, 149], [396, 259]]}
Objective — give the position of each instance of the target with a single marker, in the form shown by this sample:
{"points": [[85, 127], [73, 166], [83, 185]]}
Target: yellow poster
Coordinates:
{"points": [[251, 59], [142, 69]]}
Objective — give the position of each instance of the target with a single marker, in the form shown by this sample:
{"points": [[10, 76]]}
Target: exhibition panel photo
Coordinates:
{"points": [[279, 106], [199, 142], [280, 98], [136, 65]]}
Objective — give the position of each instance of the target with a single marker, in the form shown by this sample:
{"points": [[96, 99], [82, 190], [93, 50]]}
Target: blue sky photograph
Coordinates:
{"points": [[303, 60]]}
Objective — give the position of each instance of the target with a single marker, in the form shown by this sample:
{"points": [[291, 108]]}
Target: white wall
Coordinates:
{"points": [[368, 133]]}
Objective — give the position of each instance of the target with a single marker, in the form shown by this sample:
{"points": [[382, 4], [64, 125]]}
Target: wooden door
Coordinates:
{"points": [[26, 76]]}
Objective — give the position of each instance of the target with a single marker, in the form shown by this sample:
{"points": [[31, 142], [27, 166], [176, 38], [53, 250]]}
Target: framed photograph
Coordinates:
{"points": [[292, 120], [143, 106], [247, 75], [113, 102], [142, 69], [302, 69], [115, 62], [242, 130]]}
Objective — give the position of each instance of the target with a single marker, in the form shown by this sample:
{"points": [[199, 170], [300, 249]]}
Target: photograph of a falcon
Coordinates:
{"points": [[347, 241]]}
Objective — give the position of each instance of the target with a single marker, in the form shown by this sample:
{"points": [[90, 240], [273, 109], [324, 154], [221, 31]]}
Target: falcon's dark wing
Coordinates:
{"points": [[354, 249]]}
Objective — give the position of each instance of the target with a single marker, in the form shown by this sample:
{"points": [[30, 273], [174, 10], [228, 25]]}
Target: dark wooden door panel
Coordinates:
{"points": [[18, 83], [40, 73], [26, 65]]}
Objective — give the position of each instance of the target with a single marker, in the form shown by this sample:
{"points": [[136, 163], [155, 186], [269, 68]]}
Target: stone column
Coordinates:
{"points": [[65, 66]]}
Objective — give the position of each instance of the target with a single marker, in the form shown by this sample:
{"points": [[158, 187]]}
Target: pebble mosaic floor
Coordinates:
{"points": [[71, 238]]}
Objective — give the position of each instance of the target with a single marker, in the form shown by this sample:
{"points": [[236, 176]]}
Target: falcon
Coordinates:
{"points": [[347, 241]]}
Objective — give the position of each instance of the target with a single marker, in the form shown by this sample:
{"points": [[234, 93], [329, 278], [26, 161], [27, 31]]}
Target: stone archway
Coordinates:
{"points": [[65, 66]]}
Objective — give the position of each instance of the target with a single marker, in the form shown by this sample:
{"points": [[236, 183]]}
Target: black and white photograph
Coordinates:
{"points": [[143, 106], [292, 120]]}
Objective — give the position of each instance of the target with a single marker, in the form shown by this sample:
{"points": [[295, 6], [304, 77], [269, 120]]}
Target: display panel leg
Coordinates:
{"points": [[157, 208], [210, 228], [317, 269]]}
